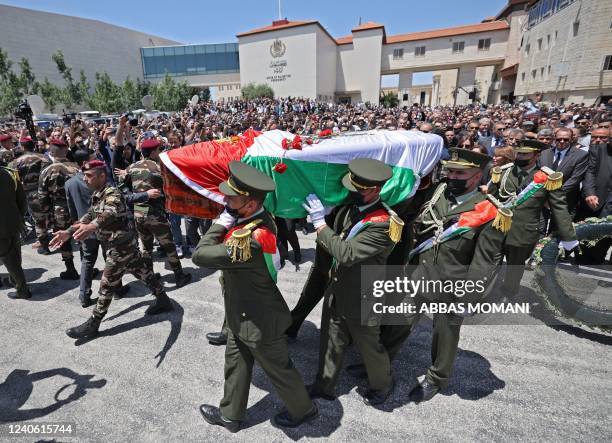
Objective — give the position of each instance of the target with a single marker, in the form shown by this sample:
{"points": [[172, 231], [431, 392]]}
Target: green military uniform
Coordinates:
{"points": [[14, 207], [255, 312], [517, 244], [53, 202], [445, 260], [150, 217], [30, 165], [6, 156], [358, 236]]}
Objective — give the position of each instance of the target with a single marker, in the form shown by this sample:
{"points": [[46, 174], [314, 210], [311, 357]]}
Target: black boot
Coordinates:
{"points": [[162, 304], [181, 278], [89, 329], [120, 292], [217, 338], [213, 416], [21, 295], [373, 397], [285, 420], [70, 273], [86, 300], [424, 392], [43, 250]]}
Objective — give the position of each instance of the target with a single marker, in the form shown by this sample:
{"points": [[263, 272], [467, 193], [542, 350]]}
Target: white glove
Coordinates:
{"points": [[225, 220], [569, 245], [315, 209]]}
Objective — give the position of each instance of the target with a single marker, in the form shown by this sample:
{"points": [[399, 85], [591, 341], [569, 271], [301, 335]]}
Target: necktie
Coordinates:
{"points": [[555, 164]]}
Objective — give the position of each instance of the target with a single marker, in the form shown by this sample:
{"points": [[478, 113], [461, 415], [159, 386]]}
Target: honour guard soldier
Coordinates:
{"points": [[443, 252], [54, 203], [361, 233], [242, 244], [524, 189], [150, 216], [108, 219], [14, 207]]}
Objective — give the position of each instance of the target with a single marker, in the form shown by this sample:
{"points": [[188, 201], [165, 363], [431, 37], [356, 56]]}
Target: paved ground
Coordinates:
{"points": [[143, 379]]}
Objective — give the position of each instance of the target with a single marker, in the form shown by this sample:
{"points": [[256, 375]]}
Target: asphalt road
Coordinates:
{"points": [[143, 379]]}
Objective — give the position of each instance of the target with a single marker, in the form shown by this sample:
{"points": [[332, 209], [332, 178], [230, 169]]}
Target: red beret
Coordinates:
{"points": [[25, 139], [57, 142], [93, 164], [5, 137], [150, 143]]}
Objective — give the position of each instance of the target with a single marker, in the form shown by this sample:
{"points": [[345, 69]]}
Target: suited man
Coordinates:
{"points": [[570, 161], [597, 184], [14, 208]]}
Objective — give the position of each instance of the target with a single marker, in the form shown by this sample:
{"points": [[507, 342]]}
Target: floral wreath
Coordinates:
{"points": [[297, 143]]}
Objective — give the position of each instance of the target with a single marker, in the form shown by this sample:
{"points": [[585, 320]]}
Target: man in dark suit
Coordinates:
{"points": [[14, 208], [570, 161], [597, 185]]}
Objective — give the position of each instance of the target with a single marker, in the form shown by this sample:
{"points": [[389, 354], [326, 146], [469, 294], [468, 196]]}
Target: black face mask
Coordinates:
{"points": [[356, 198], [456, 186], [234, 212], [522, 162]]}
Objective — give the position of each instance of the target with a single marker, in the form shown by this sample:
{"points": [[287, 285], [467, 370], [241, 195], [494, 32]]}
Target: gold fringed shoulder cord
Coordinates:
{"points": [[239, 243]]}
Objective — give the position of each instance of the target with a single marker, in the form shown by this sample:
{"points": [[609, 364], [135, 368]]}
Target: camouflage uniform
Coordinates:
{"points": [[116, 233], [150, 217], [52, 198], [29, 166]]}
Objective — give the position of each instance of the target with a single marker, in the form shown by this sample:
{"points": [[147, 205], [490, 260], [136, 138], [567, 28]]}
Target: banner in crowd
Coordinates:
{"points": [[298, 166]]}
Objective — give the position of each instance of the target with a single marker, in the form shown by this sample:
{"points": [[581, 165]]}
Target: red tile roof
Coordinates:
{"points": [[449, 32], [347, 39], [279, 24], [367, 25]]}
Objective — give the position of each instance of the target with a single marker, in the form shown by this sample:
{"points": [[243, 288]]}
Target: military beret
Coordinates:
{"points": [[246, 180], [366, 173], [150, 143], [57, 142], [529, 145], [93, 164], [465, 159], [5, 137], [25, 139]]}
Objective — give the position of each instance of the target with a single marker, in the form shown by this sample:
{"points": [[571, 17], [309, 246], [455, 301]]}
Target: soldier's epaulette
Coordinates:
{"points": [[554, 180], [239, 242], [396, 224], [13, 173], [496, 172]]}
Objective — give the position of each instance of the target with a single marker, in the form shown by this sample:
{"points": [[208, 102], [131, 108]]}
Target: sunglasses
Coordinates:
{"points": [[562, 139], [466, 145]]}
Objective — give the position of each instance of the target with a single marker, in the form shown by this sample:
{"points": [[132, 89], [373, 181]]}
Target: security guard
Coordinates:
{"points": [[360, 235], [150, 216], [14, 208], [242, 244], [108, 219], [443, 252], [524, 189]]}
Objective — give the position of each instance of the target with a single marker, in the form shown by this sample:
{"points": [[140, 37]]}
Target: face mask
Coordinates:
{"points": [[235, 212], [521, 162], [456, 186], [356, 198]]}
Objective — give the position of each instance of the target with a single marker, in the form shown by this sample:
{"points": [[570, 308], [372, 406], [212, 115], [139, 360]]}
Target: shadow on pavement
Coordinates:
{"points": [[175, 318], [18, 386]]}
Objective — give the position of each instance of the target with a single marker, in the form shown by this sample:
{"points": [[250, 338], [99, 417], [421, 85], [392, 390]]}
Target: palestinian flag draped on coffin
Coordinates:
{"points": [[197, 170]]}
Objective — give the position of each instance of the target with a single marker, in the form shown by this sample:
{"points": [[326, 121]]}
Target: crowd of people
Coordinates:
{"points": [[100, 184]]}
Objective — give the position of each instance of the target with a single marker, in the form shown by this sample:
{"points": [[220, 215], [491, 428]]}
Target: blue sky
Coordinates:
{"points": [[206, 21]]}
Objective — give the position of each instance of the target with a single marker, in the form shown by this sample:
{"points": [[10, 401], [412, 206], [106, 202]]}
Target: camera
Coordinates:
{"points": [[24, 111]]}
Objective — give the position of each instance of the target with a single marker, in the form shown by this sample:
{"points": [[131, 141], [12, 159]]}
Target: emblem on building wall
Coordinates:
{"points": [[277, 49]]}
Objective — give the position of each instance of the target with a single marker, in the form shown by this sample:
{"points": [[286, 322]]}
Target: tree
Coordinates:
{"points": [[169, 95], [253, 90], [50, 94], [204, 94], [107, 95], [72, 93], [389, 100]]}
